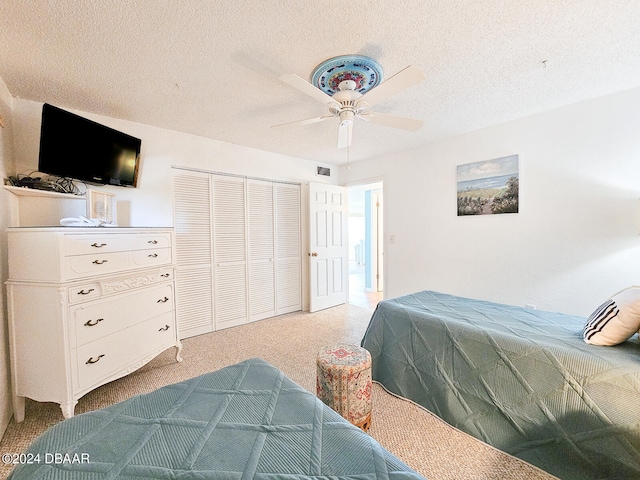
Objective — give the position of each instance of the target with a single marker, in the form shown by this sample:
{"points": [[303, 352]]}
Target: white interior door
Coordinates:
{"points": [[328, 246]]}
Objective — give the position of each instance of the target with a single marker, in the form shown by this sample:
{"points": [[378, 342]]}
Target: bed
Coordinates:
{"points": [[244, 421], [519, 379]]}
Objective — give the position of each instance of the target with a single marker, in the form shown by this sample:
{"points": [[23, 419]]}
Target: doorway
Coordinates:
{"points": [[365, 231]]}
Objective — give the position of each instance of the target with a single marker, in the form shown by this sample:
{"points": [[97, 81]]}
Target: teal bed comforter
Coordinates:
{"points": [[245, 421], [522, 380]]}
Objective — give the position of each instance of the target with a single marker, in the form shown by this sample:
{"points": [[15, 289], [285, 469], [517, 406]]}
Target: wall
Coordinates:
{"points": [[575, 240], [6, 168]]}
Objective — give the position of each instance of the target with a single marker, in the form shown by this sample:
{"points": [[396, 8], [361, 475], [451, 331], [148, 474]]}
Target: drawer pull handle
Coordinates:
{"points": [[92, 361], [166, 327], [163, 300], [153, 242], [165, 275], [98, 245], [100, 262], [152, 255], [93, 323], [86, 292]]}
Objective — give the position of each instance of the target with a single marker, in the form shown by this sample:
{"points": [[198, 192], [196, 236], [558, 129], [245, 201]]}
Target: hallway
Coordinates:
{"points": [[357, 294]]}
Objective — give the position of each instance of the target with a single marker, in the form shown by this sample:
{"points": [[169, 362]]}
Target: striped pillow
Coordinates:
{"points": [[616, 320]]}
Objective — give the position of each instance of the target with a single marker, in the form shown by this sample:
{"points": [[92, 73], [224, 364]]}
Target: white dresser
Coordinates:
{"points": [[86, 306]]}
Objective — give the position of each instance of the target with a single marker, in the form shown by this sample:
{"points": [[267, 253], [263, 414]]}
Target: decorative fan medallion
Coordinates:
{"points": [[362, 70]]}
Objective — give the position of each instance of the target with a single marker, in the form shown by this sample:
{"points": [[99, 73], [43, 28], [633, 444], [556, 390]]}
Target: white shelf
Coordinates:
{"points": [[32, 192]]}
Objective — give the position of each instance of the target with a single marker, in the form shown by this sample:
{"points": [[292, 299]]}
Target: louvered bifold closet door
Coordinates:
{"points": [[229, 250], [288, 248], [194, 275], [260, 216]]}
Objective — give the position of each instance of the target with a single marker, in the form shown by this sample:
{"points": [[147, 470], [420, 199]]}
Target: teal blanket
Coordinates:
{"points": [[245, 421], [522, 380]]}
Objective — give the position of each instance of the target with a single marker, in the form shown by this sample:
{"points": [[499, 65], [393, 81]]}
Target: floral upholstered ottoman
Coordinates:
{"points": [[343, 382]]}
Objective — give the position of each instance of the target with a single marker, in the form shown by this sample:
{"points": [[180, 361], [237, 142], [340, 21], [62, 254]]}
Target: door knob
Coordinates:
{"points": [[314, 254]]}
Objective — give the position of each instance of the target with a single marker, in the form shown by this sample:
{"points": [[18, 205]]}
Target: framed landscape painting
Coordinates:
{"points": [[489, 187]]}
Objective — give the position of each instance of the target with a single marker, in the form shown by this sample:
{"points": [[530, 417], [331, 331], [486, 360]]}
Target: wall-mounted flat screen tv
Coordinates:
{"points": [[76, 147]]}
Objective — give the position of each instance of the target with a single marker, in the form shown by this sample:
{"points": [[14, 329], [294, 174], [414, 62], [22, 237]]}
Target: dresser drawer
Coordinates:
{"points": [[97, 264], [150, 258], [99, 243], [123, 351], [150, 241], [76, 244], [100, 318], [83, 293]]}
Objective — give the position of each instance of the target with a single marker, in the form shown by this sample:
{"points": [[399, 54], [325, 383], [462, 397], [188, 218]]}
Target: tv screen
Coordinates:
{"points": [[76, 147]]}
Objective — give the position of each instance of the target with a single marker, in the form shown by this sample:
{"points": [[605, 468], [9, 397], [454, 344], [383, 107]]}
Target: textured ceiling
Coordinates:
{"points": [[212, 68]]}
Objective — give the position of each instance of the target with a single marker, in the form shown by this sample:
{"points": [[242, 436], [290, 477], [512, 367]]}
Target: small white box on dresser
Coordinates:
{"points": [[86, 306]]}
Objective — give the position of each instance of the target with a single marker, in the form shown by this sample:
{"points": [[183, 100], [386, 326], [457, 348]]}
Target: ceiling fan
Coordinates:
{"points": [[349, 86]]}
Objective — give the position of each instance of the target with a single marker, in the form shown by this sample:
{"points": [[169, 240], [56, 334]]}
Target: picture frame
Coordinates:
{"points": [[489, 187], [101, 207]]}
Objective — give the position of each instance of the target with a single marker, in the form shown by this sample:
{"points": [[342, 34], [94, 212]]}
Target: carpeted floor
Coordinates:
{"points": [[291, 342]]}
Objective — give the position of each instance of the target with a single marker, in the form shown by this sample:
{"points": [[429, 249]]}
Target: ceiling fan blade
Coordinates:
{"points": [[394, 121], [345, 131], [306, 87], [403, 79], [305, 122]]}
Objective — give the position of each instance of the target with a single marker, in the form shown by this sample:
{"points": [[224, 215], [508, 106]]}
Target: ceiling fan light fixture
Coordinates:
{"points": [[345, 85], [334, 108], [346, 117]]}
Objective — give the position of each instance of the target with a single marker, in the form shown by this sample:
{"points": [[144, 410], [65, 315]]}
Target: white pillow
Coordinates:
{"points": [[616, 320]]}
